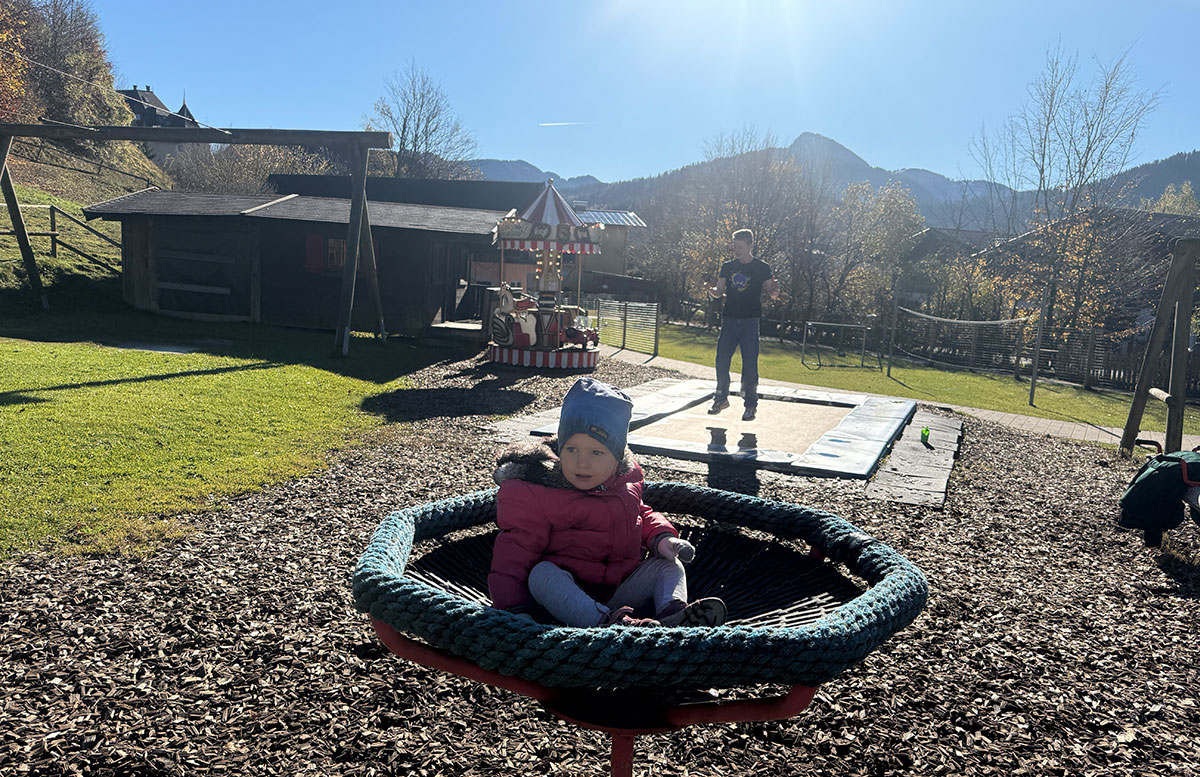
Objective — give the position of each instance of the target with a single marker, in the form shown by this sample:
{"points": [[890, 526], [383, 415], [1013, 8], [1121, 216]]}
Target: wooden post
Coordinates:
{"points": [[372, 268], [1177, 385], [53, 231], [358, 197], [18, 222], [1180, 259]]}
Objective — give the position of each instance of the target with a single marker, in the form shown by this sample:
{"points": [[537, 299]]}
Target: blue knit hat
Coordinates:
{"points": [[600, 411]]}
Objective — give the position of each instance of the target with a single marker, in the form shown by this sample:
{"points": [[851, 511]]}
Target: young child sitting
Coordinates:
{"points": [[576, 537]]}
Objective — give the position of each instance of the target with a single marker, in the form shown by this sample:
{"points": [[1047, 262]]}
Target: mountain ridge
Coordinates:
{"points": [[941, 199]]}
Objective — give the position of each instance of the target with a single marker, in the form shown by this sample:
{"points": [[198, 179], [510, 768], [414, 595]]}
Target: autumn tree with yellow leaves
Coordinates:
{"points": [[12, 68]]}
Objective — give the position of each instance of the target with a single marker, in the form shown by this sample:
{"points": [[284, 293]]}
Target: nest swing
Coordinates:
{"points": [[794, 618]]}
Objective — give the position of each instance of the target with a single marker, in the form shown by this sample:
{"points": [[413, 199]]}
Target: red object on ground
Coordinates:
{"points": [[606, 711]]}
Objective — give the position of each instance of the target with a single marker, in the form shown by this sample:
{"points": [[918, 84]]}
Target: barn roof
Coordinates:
{"points": [[332, 210], [623, 218]]}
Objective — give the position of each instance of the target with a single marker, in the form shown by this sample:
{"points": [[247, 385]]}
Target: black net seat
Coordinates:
{"points": [[795, 618], [762, 582]]}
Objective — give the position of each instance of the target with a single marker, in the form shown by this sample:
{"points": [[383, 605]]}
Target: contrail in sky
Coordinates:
{"points": [[561, 123]]}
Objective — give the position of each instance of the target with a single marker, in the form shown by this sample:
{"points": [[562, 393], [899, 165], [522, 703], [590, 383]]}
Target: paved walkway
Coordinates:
{"points": [[1048, 426]]}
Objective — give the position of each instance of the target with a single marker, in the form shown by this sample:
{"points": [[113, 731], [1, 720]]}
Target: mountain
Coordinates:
{"points": [[522, 171], [1149, 180], [942, 201]]}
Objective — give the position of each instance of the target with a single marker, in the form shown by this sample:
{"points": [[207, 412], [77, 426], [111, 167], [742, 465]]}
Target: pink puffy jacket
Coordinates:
{"points": [[597, 535]]}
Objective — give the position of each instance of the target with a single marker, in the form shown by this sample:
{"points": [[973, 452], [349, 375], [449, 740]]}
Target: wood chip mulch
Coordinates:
{"points": [[1053, 644]]}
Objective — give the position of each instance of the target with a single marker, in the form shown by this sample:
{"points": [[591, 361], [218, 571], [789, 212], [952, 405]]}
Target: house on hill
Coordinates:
{"points": [[149, 111]]}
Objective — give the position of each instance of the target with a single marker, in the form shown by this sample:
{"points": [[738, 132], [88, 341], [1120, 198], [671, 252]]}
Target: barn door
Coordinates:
{"points": [[201, 270]]}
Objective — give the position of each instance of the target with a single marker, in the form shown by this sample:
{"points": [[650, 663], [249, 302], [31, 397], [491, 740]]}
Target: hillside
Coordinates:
{"points": [[942, 201], [54, 177]]}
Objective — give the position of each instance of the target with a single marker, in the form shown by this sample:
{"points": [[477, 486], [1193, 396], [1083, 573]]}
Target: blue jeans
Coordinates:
{"points": [[738, 333], [656, 581]]}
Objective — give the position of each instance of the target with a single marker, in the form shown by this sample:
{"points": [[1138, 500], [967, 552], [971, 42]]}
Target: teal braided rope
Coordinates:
{"points": [[725, 657]]}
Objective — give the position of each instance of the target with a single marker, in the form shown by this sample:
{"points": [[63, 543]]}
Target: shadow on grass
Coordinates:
{"points": [[455, 402], [94, 313], [139, 379]]}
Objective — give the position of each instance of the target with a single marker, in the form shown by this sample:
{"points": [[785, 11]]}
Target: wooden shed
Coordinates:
{"points": [[279, 260]]}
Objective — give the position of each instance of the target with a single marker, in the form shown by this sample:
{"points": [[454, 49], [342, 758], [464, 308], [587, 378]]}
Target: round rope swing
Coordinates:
{"points": [[794, 618]]}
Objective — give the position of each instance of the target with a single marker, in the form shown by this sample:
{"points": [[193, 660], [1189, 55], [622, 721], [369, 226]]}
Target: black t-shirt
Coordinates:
{"points": [[743, 287]]}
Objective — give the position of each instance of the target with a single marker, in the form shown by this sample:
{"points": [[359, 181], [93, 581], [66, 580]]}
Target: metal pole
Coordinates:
{"points": [[1037, 353], [657, 326], [624, 322], [892, 337], [1089, 358]]}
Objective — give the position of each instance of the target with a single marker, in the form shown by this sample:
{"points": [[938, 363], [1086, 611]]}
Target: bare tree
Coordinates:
{"points": [[199, 167], [428, 139], [1066, 145]]}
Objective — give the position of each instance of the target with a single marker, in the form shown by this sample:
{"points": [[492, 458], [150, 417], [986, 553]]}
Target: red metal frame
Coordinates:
{"points": [[557, 700]]}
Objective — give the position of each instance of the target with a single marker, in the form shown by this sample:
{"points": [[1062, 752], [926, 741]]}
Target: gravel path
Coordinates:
{"points": [[1053, 644]]}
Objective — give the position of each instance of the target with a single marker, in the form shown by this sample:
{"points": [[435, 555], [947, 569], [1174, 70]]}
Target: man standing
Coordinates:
{"points": [[741, 282]]}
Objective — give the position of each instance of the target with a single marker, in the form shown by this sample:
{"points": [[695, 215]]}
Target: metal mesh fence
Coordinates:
{"points": [[629, 325], [976, 345]]}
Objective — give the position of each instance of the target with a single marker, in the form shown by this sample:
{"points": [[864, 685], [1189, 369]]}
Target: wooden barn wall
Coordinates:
{"points": [[405, 280], [202, 267], [135, 263], [273, 278], [412, 281]]}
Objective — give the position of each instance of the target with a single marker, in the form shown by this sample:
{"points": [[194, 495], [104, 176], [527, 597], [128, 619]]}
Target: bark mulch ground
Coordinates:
{"points": [[1053, 643]]}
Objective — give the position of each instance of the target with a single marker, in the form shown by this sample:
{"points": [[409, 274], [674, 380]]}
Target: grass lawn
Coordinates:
{"points": [[781, 361], [99, 441]]}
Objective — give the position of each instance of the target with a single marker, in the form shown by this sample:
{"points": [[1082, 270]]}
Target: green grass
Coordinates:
{"points": [[99, 442], [781, 361]]}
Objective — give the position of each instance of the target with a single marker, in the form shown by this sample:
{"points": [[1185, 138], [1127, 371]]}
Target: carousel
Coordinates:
{"points": [[534, 328]]}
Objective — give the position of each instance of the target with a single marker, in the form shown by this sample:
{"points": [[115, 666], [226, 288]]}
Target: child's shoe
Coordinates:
{"points": [[623, 616], [702, 612]]}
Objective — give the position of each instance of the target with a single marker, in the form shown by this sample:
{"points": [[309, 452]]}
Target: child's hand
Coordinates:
{"points": [[673, 547]]}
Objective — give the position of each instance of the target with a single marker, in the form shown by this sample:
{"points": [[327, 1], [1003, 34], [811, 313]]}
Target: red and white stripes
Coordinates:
{"points": [[561, 359]]}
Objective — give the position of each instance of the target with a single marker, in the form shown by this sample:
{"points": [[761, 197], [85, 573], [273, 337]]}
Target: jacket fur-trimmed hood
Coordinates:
{"points": [[536, 461]]}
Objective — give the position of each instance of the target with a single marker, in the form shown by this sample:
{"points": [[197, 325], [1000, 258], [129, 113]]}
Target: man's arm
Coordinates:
{"points": [[718, 291], [772, 288]]}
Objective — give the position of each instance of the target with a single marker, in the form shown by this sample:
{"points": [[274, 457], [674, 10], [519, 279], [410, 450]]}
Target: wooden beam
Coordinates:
{"points": [[1177, 386], [18, 222], [358, 199], [372, 268], [196, 287], [1158, 336], [266, 137]]}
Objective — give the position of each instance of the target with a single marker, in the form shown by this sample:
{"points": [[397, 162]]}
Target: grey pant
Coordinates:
{"points": [[656, 580]]}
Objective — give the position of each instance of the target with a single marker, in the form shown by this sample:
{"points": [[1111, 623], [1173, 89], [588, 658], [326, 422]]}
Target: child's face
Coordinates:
{"points": [[586, 462]]}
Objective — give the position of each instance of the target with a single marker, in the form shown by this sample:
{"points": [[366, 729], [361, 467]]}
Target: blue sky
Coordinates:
{"points": [[902, 84]]}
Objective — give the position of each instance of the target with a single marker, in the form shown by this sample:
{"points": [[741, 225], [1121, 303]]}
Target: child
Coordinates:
{"points": [[574, 528]]}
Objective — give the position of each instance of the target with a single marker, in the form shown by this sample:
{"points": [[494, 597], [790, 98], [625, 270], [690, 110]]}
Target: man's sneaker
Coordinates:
{"points": [[718, 406], [702, 612], [623, 616], [749, 414]]}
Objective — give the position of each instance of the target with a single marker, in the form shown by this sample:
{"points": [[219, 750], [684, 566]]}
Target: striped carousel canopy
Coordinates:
{"points": [[549, 224]]}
